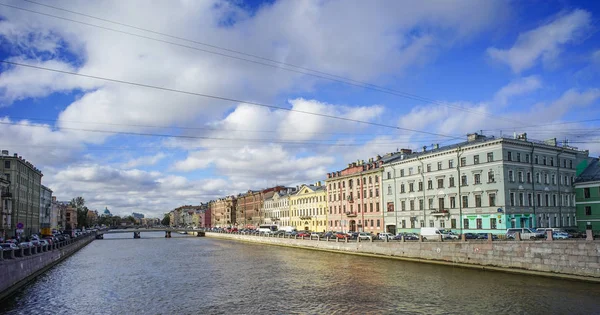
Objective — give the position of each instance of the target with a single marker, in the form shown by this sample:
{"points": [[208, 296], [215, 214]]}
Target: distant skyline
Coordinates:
{"points": [[415, 73]]}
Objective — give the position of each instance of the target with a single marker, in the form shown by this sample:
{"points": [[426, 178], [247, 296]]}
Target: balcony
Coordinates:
{"points": [[440, 213], [350, 214], [306, 218]]}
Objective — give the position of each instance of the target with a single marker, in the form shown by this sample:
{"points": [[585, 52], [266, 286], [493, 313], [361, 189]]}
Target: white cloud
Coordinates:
{"points": [[543, 42], [516, 88], [145, 160]]}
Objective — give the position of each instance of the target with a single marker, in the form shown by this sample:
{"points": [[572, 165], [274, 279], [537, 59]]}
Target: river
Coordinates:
{"points": [[191, 275]]}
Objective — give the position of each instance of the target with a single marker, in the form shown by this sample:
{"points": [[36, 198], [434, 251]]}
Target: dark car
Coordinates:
{"points": [[472, 236], [574, 233], [484, 236]]}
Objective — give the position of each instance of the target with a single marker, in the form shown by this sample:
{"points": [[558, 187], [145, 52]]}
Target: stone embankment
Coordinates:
{"points": [[571, 259], [17, 267]]}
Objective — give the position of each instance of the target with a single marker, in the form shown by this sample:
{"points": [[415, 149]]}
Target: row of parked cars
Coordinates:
{"points": [[37, 240]]}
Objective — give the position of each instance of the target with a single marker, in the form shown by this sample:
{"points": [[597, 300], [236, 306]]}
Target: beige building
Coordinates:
{"points": [[223, 211], [25, 185], [308, 208], [276, 207]]}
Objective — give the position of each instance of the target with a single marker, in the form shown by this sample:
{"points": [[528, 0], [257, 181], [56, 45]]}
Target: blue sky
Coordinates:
{"points": [[496, 66]]}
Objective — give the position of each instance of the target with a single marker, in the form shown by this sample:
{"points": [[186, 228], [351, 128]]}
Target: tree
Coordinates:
{"points": [[78, 202], [166, 221]]}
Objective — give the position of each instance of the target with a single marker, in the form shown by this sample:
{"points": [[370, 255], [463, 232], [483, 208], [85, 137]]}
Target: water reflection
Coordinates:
{"points": [[190, 275]]}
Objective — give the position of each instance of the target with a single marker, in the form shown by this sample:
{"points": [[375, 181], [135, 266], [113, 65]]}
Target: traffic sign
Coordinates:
{"points": [[20, 225]]}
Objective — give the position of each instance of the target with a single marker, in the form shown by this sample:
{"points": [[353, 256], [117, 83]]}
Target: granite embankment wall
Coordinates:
{"points": [[21, 266], [574, 259]]}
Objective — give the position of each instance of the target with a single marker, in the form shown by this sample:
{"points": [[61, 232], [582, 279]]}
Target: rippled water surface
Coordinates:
{"points": [[190, 275]]}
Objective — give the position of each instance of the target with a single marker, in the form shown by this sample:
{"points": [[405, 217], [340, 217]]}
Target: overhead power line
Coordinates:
{"points": [[334, 142], [222, 98], [275, 64]]}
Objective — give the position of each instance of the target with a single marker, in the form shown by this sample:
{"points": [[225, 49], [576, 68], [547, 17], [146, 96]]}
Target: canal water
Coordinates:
{"points": [[191, 275]]}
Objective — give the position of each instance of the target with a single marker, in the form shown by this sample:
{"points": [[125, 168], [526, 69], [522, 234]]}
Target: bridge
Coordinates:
{"points": [[137, 232]]}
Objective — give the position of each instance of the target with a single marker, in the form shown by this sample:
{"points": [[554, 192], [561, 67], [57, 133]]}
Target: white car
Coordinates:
{"points": [[365, 236], [383, 236]]}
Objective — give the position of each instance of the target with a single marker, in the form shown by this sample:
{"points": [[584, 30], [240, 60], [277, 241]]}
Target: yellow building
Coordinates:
{"points": [[308, 208]]}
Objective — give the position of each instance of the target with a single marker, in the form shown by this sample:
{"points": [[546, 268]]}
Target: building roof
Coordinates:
{"points": [[591, 172]]}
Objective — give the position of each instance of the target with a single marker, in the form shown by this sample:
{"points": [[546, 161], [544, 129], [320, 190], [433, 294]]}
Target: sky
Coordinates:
{"points": [[148, 105]]}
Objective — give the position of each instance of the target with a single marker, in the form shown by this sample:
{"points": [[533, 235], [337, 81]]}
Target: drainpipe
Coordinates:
{"points": [[533, 179], [395, 199], [558, 185], [460, 219], [362, 199], [423, 185]]}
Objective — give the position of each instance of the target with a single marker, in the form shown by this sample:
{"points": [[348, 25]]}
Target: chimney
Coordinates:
{"points": [[15, 155], [318, 184], [473, 136], [406, 151], [424, 148], [5, 152]]}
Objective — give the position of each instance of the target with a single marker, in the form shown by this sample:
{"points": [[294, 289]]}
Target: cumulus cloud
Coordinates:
{"points": [[516, 88], [544, 42], [145, 160]]}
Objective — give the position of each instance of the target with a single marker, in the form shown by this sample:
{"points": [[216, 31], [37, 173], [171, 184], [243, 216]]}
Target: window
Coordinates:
{"points": [[403, 205], [520, 174], [518, 157], [477, 179], [453, 223], [376, 179], [570, 163], [376, 192], [412, 224], [402, 188], [511, 177], [512, 199], [463, 161], [371, 207], [401, 173], [553, 179], [442, 224], [551, 161], [451, 182], [430, 203], [422, 223], [389, 190], [493, 223], [465, 201], [476, 159], [404, 224], [539, 200], [538, 178], [439, 166], [420, 186], [378, 223], [421, 202], [547, 200], [492, 200], [546, 179], [6, 164], [478, 201], [453, 202], [521, 199], [429, 184], [389, 175], [526, 158], [536, 159], [466, 223], [440, 183], [428, 167], [441, 203], [586, 193], [588, 210], [554, 200], [463, 180], [412, 205], [479, 225], [509, 156], [528, 177], [491, 177], [377, 207], [544, 160], [490, 157], [451, 164], [431, 223]]}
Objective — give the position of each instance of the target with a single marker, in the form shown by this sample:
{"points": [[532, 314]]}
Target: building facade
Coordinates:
{"points": [[354, 196], [223, 212], [247, 209], [276, 207], [587, 197], [25, 184], [45, 210], [70, 218], [308, 208], [485, 184], [5, 206]]}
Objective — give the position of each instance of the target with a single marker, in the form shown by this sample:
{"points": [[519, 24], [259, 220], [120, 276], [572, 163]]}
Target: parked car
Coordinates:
{"points": [[341, 235], [560, 235], [365, 236], [407, 236], [473, 236], [44, 242], [484, 236], [526, 233], [315, 235], [9, 246], [574, 233], [383, 236], [304, 234], [25, 245]]}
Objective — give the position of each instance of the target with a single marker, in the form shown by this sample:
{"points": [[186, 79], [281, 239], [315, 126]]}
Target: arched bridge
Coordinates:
{"points": [[137, 232]]}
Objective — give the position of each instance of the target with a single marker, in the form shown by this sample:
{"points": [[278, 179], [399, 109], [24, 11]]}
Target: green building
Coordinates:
{"points": [[587, 197]]}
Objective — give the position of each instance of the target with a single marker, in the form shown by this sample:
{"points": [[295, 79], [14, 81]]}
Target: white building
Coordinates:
{"points": [[485, 184], [276, 207]]}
